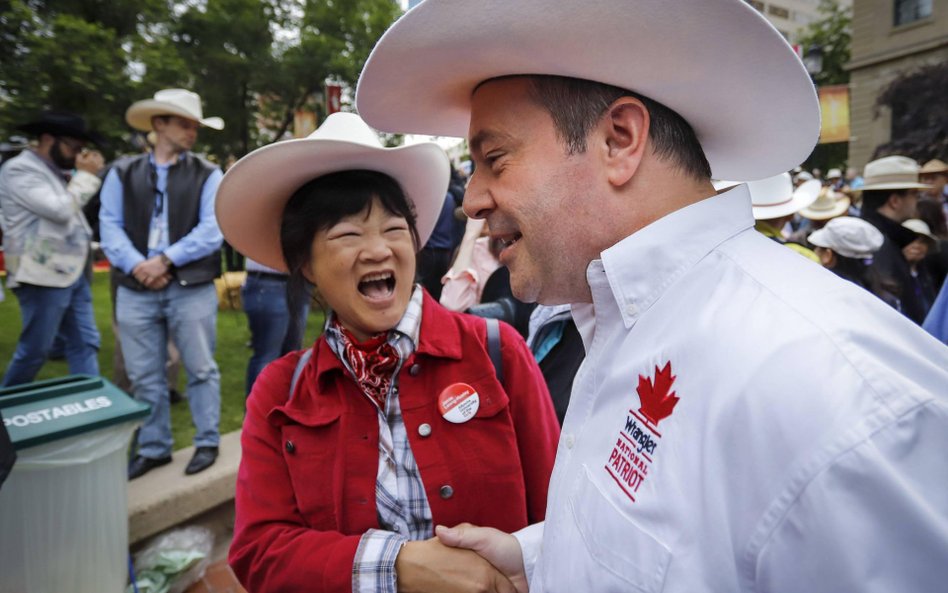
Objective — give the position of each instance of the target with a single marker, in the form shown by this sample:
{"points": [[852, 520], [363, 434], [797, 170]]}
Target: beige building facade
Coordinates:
{"points": [[790, 16], [889, 38]]}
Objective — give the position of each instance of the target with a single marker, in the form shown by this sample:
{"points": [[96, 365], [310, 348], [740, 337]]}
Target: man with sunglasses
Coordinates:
{"points": [[160, 234], [46, 242]]}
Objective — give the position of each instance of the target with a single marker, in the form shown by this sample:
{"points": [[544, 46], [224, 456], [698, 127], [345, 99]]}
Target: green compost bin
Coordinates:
{"points": [[63, 509]]}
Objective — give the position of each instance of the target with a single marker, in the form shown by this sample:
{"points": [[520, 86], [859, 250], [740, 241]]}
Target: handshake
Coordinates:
{"points": [[460, 559]]}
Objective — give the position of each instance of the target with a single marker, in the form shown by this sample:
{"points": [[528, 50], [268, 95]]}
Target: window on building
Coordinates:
{"points": [[758, 5], [907, 11], [778, 11]]}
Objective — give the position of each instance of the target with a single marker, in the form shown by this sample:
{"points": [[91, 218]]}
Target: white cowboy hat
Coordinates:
{"points": [[892, 172], [774, 197], [849, 237], [834, 174], [180, 102], [828, 204], [718, 63], [253, 193], [921, 228]]}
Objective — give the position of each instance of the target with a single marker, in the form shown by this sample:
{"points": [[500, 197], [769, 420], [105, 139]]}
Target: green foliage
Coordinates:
{"points": [[833, 33], [254, 62]]}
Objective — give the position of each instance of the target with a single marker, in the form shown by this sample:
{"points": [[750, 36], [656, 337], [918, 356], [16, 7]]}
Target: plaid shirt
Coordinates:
{"points": [[400, 499]]}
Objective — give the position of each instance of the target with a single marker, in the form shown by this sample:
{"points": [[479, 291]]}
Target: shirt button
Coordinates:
{"points": [[446, 491], [424, 429], [414, 370], [569, 441], [290, 447], [631, 309]]}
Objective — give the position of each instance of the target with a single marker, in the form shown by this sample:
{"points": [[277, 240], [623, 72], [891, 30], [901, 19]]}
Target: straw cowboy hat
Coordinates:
{"points": [[849, 237], [63, 123], [892, 172], [180, 102], [933, 166], [254, 192], [828, 204], [718, 63], [775, 196]]}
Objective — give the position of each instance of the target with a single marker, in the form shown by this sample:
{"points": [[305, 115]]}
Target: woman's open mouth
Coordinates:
{"points": [[378, 286]]}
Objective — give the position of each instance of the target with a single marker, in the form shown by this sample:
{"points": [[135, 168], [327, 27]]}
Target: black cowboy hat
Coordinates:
{"points": [[63, 123]]}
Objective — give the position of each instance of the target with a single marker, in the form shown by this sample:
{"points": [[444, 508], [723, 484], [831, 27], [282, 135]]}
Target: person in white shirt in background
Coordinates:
{"points": [[744, 420]]}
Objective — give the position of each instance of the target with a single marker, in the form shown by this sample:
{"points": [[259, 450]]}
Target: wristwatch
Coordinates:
{"points": [[166, 260]]}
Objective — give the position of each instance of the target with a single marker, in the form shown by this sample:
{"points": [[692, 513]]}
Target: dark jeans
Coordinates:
{"points": [[47, 312], [268, 315]]}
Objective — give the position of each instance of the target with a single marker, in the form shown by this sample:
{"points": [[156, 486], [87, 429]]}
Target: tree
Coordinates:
{"points": [[919, 114], [832, 33], [254, 62], [335, 37], [63, 55]]}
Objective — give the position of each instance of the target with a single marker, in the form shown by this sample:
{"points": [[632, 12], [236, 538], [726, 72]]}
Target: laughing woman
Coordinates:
{"points": [[396, 420]]}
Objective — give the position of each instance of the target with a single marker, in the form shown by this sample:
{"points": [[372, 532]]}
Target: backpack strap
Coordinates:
{"points": [[493, 347], [299, 371]]}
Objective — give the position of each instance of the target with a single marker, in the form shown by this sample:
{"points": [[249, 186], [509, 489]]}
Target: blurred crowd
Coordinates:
{"points": [[883, 229]]}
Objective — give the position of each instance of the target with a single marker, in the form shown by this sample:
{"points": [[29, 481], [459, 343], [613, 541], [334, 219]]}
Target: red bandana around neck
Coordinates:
{"points": [[373, 363]]}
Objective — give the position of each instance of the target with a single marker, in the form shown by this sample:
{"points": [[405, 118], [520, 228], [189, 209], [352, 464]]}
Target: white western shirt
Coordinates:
{"points": [[744, 420]]}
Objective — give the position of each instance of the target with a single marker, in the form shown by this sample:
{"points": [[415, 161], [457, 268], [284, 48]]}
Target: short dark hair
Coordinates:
{"points": [[323, 202], [576, 105], [873, 199]]}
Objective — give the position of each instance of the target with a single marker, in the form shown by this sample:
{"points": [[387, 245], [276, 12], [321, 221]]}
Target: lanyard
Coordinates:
{"points": [[159, 195]]}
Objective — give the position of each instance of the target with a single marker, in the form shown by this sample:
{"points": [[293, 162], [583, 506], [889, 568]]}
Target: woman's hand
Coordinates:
{"points": [[431, 567]]}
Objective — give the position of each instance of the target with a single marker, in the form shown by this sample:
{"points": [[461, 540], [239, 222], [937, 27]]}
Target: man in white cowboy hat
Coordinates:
{"points": [[889, 198], [160, 234], [774, 201], [46, 243], [743, 420]]}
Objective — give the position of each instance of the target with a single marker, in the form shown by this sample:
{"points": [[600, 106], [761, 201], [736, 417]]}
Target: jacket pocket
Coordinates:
{"points": [[619, 555], [311, 453]]}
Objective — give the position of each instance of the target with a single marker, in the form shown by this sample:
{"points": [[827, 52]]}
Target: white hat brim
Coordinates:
{"points": [[802, 197], [140, 113], [840, 207], [718, 63], [252, 195]]}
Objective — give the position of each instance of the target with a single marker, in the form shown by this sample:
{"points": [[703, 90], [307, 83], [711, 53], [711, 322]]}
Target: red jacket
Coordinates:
{"points": [[302, 507]]}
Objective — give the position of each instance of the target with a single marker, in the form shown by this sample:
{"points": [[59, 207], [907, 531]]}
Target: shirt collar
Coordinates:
{"points": [[640, 268]]}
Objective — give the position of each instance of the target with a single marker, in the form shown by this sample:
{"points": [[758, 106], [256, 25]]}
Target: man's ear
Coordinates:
{"points": [[894, 200], [625, 127]]}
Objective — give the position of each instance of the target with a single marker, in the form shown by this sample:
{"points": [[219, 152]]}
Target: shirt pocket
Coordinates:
{"points": [[620, 556]]}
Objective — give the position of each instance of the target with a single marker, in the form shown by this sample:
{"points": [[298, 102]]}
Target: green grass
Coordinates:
{"points": [[232, 356]]}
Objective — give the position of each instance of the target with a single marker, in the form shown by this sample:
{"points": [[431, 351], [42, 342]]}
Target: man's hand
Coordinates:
{"points": [[153, 273], [90, 161], [499, 548], [430, 567]]}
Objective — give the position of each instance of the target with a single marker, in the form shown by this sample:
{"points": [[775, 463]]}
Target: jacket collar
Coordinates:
{"points": [[894, 231], [640, 268]]}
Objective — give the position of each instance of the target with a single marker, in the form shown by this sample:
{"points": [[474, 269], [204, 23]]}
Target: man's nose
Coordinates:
{"points": [[477, 200]]}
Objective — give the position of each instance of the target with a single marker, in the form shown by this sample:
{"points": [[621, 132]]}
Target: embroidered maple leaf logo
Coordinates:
{"points": [[657, 402]]}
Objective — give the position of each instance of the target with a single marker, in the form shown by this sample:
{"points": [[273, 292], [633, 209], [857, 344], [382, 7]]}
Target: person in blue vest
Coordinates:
{"points": [[159, 233]]}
